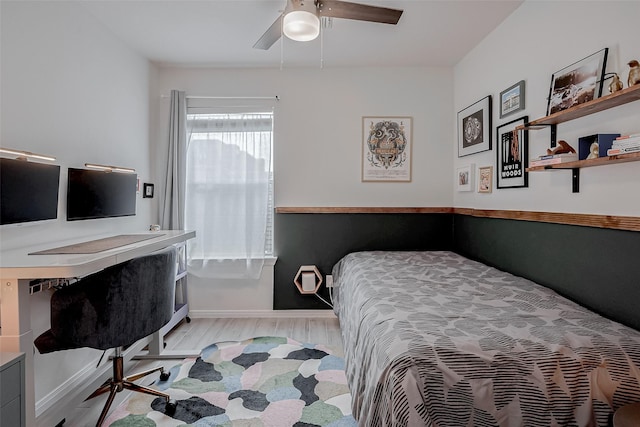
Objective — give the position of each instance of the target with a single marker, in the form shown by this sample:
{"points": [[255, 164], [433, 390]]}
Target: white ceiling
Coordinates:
{"points": [[221, 33]]}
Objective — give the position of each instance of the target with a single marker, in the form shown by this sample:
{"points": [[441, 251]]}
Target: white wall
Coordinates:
{"points": [[318, 128], [318, 143], [538, 39], [72, 90]]}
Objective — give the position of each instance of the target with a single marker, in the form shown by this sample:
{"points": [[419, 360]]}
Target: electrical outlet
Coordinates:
{"points": [[329, 281]]}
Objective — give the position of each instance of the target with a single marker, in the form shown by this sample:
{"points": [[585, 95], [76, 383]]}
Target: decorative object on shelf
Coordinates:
{"points": [[474, 128], [562, 148], [615, 84], [634, 73], [464, 177], [577, 83], [594, 146], [512, 99], [513, 146], [147, 190], [485, 178], [386, 148]]}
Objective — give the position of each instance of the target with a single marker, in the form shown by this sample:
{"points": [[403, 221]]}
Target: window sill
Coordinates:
{"points": [[270, 261]]}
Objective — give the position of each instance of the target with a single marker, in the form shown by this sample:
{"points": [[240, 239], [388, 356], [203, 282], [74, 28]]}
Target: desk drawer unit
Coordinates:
{"points": [[12, 404]]}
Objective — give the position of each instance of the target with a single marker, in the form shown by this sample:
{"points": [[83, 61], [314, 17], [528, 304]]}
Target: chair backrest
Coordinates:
{"points": [[118, 305]]}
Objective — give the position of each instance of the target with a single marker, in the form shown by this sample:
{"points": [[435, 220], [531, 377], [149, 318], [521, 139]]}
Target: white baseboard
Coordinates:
{"points": [[269, 314]]}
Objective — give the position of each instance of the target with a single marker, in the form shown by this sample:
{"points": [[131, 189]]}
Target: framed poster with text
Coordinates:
{"points": [[386, 149]]}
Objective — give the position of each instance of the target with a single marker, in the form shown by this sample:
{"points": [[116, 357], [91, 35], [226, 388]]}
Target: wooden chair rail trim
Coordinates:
{"points": [[629, 223], [364, 209]]}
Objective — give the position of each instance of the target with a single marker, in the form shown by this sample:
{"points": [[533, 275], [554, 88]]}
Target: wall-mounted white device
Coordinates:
{"points": [[308, 279]]}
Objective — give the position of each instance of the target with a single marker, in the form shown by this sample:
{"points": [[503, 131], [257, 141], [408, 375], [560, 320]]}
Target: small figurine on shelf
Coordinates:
{"points": [[563, 147], [634, 73], [593, 151], [615, 84]]}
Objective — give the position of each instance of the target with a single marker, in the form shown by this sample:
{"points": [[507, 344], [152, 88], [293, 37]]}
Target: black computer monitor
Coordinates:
{"points": [[98, 194], [28, 191]]}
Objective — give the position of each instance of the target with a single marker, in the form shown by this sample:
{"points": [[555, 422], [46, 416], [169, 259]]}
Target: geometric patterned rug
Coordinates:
{"points": [[266, 381]]}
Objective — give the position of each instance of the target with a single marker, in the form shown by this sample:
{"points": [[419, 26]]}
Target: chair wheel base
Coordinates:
{"points": [[170, 407], [164, 376]]}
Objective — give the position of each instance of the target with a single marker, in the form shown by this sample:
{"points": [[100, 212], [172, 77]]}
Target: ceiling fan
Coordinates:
{"points": [[300, 20]]}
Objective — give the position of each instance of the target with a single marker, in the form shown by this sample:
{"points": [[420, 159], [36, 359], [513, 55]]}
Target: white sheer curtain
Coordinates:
{"points": [[228, 185]]}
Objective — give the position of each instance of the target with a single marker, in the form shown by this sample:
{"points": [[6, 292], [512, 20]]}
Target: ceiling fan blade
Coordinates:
{"points": [[270, 36], [359, 12]]}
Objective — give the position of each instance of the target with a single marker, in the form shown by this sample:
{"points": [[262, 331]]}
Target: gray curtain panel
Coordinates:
{"points": [[172, 202]]}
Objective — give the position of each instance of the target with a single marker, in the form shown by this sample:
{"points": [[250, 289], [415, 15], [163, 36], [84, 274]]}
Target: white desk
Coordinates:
{"points": [[17, 269]]}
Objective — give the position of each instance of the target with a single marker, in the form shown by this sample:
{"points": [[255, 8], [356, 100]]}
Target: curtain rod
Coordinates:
{"points": [[277, 98]]}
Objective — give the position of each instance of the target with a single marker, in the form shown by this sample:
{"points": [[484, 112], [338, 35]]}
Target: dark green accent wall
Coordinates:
{"points": [[597, 267], [322, 239]]}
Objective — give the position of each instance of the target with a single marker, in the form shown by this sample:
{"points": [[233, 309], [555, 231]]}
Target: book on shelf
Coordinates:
{"points": [[556, 156], [631, 135], [553, 161], [633, 141], [624, 150]]}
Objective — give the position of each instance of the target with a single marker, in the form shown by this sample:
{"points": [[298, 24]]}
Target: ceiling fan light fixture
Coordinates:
{"points": [[301, 25]]}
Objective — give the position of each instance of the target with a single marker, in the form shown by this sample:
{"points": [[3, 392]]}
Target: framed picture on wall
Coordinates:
{"points": [[577, 83], [474, 128], [512, 157], [148, 190], [386, 149], [464, 177], [485, 179], [512, 99]]}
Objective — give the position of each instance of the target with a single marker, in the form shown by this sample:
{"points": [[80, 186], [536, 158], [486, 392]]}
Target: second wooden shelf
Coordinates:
{"points": [[621, 158]]}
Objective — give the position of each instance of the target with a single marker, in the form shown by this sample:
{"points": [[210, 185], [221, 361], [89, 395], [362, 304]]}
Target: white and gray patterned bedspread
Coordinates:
{"points": [[435, 339]]}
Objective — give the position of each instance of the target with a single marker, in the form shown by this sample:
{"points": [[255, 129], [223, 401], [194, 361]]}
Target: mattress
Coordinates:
{"points": [[435, 339]]}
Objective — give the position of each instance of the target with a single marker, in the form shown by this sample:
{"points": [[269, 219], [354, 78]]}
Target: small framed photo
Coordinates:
{"points": [[512, 99], [464, 178], [485, 179], [577, 83], [512, 157], [147, 190], [386, 149], [474, 128]]}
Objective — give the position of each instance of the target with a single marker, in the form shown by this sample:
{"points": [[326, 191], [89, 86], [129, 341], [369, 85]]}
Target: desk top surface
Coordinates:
{"points": [[18, 264]]}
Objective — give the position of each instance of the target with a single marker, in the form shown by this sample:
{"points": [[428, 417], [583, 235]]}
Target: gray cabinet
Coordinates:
{"points": [[12, 404]]}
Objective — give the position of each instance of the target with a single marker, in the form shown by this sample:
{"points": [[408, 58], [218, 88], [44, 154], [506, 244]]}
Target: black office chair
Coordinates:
{"points": [[112, 309]]}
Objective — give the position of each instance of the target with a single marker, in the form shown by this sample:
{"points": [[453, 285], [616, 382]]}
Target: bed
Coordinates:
{"points": [[435, 339]]}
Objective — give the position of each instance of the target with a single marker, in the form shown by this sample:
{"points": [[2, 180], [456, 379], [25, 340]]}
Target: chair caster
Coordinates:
{"points": [[188, 319], [164, 375], [170, 407]]}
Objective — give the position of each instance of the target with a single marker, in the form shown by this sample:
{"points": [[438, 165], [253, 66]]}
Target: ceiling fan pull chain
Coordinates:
{"points": [[281, 45], [321, 47]]}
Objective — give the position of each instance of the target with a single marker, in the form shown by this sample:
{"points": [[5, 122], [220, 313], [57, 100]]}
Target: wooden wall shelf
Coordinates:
{"points": [[609, 160], [621, 97]]}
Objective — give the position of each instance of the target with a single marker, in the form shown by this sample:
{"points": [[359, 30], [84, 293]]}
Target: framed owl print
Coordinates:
{"points": [[386, 149]]}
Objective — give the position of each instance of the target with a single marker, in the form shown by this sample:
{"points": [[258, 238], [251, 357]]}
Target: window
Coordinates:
{"points": [[229, 188]]}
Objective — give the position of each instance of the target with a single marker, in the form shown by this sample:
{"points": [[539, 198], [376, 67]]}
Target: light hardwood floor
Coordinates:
{"points": [[202, 332]]}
